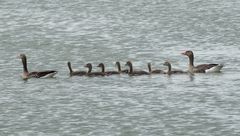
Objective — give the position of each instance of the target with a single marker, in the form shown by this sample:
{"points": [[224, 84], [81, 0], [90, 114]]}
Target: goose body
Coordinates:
{"points": [[135, 73], [75, 73], [102, 66], [92, 74], [157, 71], [203, 68], [35, 74], [170, 71]]}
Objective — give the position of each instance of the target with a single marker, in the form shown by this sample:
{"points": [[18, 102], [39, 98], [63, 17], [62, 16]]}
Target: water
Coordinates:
{"points": [[54, 32]]}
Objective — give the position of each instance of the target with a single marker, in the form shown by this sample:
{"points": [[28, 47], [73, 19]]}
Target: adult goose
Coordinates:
{"points": [[101, 65], [133, 72], [203, 68], [35, 74], [75, 73], [156, 71], [119, 68], [90, 73], [170, 71]]}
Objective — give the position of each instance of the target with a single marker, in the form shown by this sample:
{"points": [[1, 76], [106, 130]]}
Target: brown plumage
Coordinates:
{"points": [[101, 65], [135, 73], [90, 73], [203, 68], [119, 68], [156, 71], [170, 71], [35, 74], [75, 73]]}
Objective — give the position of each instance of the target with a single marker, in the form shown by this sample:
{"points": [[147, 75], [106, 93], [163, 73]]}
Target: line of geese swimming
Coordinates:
{"points": [[203, 68]]}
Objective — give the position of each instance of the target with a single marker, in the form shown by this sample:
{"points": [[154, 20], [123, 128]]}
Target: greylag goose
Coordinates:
{"points": [[170, 71], [101, 65], [119, 68], [75, 73], [90, 73], [157, 71], [135, 73], [35, 74], [203, 68]]}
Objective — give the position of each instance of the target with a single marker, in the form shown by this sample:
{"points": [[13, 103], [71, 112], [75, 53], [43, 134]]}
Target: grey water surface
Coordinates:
{"points": [[52, 32]]}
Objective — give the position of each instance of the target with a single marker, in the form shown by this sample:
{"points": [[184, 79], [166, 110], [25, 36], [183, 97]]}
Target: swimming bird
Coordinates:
{"points": [[170, 71], [135, 73], [119, 68], [156, 71], [90, 73], [75, 73], [101, 65], [203, 68], [35, 74]]}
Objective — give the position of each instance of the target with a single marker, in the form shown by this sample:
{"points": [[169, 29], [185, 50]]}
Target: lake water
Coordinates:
{"points": [[52, 32]]}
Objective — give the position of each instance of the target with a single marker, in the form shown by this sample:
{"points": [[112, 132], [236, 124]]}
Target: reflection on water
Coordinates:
{"points": [[51, 33]]}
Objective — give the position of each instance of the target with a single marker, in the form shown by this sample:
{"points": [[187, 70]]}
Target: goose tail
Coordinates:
{"points": [[215, 69]]}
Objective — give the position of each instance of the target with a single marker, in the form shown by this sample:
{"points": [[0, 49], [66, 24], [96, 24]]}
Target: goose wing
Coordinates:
{"points": [[78, 73], [138, 73], [204, 67], [111, 72], [47, 73]]}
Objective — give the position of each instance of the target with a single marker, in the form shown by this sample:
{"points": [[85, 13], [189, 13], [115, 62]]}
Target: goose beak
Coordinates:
{"points": [[183, 53], [166, 63]]}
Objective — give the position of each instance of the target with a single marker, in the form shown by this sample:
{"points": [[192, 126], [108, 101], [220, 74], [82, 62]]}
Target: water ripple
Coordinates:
{"points": [[54, 32]]}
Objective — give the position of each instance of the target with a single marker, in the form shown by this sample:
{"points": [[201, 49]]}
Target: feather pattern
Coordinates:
{"points": [[203, 68], [35, 74]]}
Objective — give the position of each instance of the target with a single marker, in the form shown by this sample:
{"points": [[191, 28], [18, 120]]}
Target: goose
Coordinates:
{"points": [[101, 65], [134, 73], [35, 74], [90, 73], [203, 68], [170, 71], [119, 68], [75, 73], [157, 71]]}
